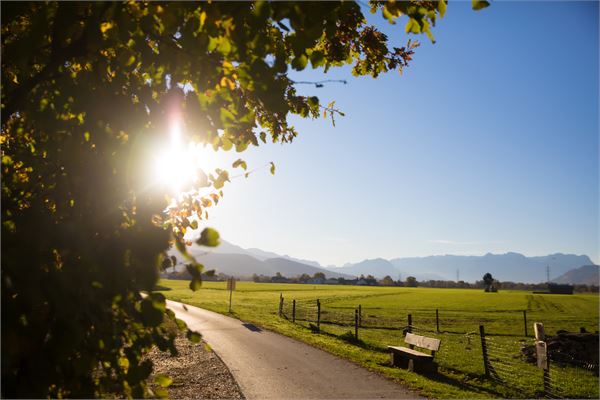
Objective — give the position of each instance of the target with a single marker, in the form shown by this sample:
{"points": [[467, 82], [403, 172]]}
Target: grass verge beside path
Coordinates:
{"points": [[461, 373]]}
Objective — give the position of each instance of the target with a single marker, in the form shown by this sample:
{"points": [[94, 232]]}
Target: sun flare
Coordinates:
{"points": [[180, 166]]}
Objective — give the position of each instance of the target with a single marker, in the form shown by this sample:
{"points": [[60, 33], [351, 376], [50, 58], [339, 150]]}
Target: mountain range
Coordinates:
{"points": [[234, 260], [503, 267]]}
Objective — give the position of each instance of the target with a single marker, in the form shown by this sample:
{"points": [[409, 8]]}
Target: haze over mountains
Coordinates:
{"points": [[504, 267], [234, 260]]}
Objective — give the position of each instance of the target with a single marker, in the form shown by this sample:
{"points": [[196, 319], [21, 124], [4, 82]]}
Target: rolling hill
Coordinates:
{"points": [[585, 275]]}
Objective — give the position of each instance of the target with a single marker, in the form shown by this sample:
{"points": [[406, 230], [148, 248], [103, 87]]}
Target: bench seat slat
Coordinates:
{"points": [[412, 352]]}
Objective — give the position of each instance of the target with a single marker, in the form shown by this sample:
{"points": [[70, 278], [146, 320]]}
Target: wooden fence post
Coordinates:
{"points": [[294, 310], [409, 323], [356, 318], [437, 320], [359, 315], [543, 358], [318, 315], [280, 304], [486, 361], [525, 321]]}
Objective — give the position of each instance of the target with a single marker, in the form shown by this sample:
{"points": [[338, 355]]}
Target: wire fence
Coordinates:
{"points": [[567, 374], [495, 352]]}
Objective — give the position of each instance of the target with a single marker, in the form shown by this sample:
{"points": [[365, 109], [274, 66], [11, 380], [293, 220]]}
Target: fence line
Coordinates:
{"points": [[501, 356]]}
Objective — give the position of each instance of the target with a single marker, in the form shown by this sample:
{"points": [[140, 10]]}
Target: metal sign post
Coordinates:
{"points": [[231, 288]]}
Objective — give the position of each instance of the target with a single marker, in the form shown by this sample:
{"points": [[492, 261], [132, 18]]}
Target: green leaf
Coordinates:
{"points": [[226, 144], [240, 163], [158, 301], [272, 168], [161, 393], [209, 238], [479, 4], [263, 137], [195, 284], [163, 380], [194, 337], [317, 58], [442, 7], [224, 46], [299, 62], [195, 269], [220, 180], [180, 323]]}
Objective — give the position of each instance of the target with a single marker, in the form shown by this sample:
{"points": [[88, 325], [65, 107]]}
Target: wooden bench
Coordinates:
{"points": [[408, 357]]}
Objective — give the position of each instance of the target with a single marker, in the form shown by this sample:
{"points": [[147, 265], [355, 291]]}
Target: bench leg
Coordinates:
{"points": [[402, 361], [397, 360]]}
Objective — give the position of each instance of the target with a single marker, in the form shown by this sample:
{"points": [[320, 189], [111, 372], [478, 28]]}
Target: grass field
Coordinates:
{"points": [[384, 315]]}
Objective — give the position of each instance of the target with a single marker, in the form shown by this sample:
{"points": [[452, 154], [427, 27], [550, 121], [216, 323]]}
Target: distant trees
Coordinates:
{"points": [[387, 281], [319, 275], [411, 281], [448, 284]]}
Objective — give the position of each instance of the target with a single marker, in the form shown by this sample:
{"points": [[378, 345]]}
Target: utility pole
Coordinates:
{"points": [[457, 275], [547, 273]]}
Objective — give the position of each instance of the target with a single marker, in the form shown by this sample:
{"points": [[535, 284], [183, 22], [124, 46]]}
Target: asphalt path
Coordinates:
{"points": [[267, 365]]}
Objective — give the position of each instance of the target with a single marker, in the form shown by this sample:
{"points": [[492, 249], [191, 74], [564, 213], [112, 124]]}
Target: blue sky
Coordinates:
{"points": [[487, 143]]}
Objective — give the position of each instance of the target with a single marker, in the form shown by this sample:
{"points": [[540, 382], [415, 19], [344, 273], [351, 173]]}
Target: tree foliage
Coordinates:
{"points": [[488, 282], [488, 279], [88, 91], [411, 281], [319, 275], [387, 281]]}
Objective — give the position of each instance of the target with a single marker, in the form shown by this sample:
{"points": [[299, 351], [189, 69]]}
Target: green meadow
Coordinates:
{"points": [[384, 312]]}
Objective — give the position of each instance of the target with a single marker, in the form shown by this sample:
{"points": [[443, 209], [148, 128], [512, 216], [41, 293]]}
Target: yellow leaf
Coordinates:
{"points": [[106, 26], [202, 18], [226, 82]]}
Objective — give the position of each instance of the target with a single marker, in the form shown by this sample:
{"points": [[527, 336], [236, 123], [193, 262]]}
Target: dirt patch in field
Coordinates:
{"points": [[197, 372]]}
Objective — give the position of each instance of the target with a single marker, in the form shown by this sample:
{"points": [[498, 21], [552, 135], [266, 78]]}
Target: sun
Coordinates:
{"points": [[181, 166]]}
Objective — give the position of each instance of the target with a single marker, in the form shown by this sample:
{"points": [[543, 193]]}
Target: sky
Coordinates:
{"points": [[488, 142]]}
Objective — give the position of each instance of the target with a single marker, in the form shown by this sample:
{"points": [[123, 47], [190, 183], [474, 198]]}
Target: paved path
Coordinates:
{"points": [[267, 365]]}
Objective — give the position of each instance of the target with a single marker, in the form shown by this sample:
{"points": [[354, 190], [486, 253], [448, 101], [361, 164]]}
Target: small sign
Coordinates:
{"points": [[542, 354], [231, 284], [231, 288]]}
